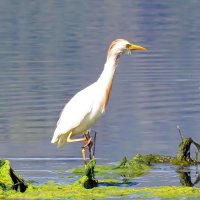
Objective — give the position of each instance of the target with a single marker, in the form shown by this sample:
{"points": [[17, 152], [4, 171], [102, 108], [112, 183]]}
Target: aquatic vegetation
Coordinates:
{"points": [[113, 180], [133, 167], [52, 190], [79, 190], [104, 188], [6, 181], [9, 179], [88, 181], [183, 157]]}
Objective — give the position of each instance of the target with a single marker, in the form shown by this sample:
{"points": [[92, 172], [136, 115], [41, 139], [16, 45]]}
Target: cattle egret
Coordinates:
{"points": [[85, 107]]}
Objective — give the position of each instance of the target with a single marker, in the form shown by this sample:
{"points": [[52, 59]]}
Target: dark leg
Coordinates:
{"points": [[88, 142]]}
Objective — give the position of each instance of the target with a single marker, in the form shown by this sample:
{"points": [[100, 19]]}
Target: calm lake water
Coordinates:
{"points": [[49, 50]]}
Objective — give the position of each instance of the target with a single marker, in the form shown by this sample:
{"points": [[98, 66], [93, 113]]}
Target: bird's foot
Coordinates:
{"points": [[88, 142]]}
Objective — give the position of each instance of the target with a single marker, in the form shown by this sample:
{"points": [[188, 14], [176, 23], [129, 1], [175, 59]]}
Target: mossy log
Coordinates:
{"points": [[184, 154], [9, 179], [183, 157], [88, 181]]}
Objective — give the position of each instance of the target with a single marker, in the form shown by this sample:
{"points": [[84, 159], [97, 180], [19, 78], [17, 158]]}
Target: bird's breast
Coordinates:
{"points": [[100, 97]]}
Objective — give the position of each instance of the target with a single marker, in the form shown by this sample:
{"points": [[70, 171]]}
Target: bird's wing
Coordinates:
{"points": [[76, 109]]}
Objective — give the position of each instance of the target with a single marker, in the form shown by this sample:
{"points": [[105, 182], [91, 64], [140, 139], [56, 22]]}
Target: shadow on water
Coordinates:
{"points": [[121, 184]]}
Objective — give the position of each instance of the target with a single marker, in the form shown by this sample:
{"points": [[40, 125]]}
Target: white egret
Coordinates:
{"points": [[85, 107]]}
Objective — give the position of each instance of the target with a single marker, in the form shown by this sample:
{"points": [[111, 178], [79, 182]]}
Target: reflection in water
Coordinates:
{"points": [[186, 179]]}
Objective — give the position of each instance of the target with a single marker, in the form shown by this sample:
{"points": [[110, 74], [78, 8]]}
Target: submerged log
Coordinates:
{"points": [[9, 179]]}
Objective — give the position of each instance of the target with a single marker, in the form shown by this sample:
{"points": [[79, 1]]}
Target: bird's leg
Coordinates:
{"points": [[78, 140], [88, 142], [83, 150], [84, 156], [93, 144], [87, 139], [74, 140]]}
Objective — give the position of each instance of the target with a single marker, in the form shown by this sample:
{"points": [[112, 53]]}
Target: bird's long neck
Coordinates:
{"points": [[106, 77]]}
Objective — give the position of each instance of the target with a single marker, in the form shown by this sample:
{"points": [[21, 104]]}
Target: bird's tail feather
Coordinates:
{"points": [[59, 140]]}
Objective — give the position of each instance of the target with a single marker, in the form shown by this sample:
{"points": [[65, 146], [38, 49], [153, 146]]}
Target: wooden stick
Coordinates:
{"points": [[95, 133], [180, 132]]}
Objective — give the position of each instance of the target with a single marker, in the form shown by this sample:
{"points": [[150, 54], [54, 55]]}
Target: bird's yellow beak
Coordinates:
{"points": [[135, 47]]}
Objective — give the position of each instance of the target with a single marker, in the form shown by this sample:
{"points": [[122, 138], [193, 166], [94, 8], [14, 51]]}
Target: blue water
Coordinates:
{"points": [[49, 50]]}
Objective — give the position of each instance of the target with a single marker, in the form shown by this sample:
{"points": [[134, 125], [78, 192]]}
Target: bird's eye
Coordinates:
{"points": [[128, 46]]}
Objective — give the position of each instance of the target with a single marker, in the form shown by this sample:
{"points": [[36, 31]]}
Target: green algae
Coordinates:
{"points": [[151, 159], [88, 181], [9, 179], [52, 190], [111, 184], [183, 157], [6, 181], [171, 192], [131, 168], [104, 188], [141, 164]]}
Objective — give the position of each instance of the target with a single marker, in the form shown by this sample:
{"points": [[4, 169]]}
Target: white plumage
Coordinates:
{"points": [[75, 115], [84, 109]]}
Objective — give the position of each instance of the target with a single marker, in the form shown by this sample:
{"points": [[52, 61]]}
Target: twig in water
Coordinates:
{"points": [[94, 146], [180, 132]]}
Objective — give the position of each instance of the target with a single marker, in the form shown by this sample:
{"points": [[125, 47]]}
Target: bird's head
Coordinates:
{"points": [[121, 46]]}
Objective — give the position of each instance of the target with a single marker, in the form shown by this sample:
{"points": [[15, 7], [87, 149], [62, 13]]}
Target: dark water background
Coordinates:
{"points": [[49, 50]]}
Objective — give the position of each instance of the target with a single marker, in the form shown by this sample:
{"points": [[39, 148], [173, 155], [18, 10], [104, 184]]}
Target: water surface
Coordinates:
{"points": [[49, 50]]}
